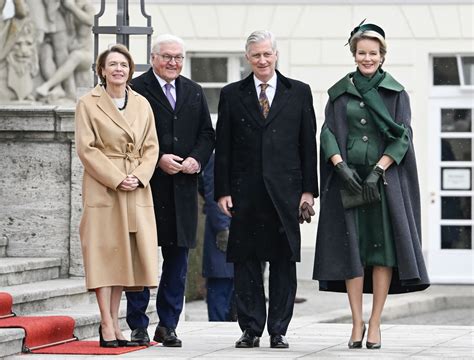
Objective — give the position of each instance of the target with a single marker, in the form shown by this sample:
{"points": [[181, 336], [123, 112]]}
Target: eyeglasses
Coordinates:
{"points": [[168, 58]]}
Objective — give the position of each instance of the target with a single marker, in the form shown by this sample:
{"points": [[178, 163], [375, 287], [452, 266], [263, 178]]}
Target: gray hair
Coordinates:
{"points": [[258, 36], [166, 39], [369, 34]]}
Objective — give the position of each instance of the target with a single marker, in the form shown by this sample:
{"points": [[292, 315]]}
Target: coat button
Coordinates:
{"points": [[365, 138], [363, 121], [175, 117], [361, 104]]}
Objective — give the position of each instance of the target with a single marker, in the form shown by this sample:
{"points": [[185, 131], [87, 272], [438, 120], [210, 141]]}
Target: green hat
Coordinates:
{"points": [[366, 27]]}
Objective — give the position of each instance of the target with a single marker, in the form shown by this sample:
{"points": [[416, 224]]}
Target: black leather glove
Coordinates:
{"points": [[370, 191], [349, 177], [222, 239], [306, 211]]}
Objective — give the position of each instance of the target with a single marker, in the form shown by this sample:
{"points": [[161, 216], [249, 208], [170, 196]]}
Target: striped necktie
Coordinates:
{"points": [[263, 100]]}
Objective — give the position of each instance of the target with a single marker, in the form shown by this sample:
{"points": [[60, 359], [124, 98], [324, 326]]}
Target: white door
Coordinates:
{"points": [[450, 235]]}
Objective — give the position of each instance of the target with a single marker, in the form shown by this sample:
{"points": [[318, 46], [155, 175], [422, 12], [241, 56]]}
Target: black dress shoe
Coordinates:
{"points": [[167, 336], [357, 344], [278, 342], [248, 340], [126, 343], [106, 343], [140, 336]]}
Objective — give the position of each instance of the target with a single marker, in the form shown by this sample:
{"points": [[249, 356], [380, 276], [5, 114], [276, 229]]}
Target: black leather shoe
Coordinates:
{"points": [[278, 342], [357, 344], [248, 340], [377, 345], [106, 343], [126, 343], [167, 336], [140, 336]]}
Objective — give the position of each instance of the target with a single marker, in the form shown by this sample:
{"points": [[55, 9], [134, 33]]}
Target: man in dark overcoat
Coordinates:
{"points": [[219, 274], [265, 170], [186, 140]]}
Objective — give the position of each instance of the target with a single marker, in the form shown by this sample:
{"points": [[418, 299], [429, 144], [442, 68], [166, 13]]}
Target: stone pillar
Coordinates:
{"points": [[38, 206]]}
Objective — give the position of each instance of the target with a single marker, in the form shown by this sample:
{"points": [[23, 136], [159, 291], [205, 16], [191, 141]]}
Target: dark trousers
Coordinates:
{"points": [[220, 294], [250, 295], [170, 297]]}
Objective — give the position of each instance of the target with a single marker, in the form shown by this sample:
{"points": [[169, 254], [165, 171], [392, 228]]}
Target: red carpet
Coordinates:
{"points": [[52, 334], [6, 302], [85, 348], [41, 330]]}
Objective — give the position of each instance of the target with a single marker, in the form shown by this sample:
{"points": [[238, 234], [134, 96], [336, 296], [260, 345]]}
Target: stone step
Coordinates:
{"points": [[87, 325], [18, 270], [48, 295], [3, 246]]}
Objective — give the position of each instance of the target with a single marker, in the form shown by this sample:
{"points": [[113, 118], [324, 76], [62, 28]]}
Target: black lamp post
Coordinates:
{"points": [[122, 30]]}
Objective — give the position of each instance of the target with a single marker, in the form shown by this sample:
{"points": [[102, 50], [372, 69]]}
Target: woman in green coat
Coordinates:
{"points": [[369, 237]]}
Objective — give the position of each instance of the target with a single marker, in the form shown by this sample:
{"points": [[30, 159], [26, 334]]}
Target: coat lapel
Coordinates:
{"points": [[154, 88], [106, 104], [282, 95], [248, 96], [181, 93]]}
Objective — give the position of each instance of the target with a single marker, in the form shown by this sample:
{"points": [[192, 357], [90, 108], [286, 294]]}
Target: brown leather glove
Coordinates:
{"points": [[305, 213]]}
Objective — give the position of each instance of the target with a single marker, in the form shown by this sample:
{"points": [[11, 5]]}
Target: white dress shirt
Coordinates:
{"points": [[163, 83], [271, 88]]}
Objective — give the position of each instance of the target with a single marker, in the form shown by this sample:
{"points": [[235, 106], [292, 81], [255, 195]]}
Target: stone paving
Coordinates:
{"points": [[308, 340], [320, 329]]}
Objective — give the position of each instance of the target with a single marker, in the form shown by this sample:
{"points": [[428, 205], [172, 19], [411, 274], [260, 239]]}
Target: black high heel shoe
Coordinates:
{"points": [[106, 343], [377, 345], [357, 344]]}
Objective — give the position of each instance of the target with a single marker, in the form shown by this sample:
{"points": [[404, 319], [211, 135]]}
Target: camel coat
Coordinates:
{"points": [[117, 230]]}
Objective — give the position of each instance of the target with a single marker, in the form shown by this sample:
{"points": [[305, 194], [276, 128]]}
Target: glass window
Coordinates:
{"points": [[244, 68], [209, 69], [456, 149], [212, 97], [456, 207], [456, 120], [456, 237], [468, 69], [445, 71]]}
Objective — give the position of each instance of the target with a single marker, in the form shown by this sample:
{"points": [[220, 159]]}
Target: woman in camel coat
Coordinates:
{"points": [[117, 144]]}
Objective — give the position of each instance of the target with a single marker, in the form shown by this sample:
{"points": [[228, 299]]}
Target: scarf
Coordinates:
{"points": [[368, 88]]}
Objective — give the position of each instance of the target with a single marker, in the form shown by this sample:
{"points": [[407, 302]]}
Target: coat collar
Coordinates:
{"points": [[154, 88], [106, 104], [250, 100], [345, 85]]}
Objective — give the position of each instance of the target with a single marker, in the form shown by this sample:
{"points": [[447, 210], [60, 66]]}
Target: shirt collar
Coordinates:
{"points": [[272, 82], [164, 82]]}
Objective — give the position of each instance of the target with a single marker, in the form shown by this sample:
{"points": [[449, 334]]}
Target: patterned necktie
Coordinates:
{"points": [[169, 96], [263, 100]]}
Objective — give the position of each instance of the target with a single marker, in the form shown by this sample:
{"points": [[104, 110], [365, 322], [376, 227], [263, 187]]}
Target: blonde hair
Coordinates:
{"points": [[369, 34]]}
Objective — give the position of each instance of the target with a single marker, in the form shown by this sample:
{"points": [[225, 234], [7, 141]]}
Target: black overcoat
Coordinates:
{"points": [[265, 164], [185, 131], [337, 246]]}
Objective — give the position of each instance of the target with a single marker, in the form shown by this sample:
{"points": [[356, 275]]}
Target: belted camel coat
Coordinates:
{"points": [[117, 230]]}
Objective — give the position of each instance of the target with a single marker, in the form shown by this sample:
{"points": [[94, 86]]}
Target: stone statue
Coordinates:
{"points": [[18, 56], [75, 70], [64, 32]]}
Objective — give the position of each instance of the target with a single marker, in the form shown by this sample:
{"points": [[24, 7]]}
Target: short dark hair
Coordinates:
{"points": [[118, 48]]}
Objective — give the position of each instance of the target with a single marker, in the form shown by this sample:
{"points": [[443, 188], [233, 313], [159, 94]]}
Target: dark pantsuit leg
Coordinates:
{"points": [[137, 302], [220, 292], [281, 298], [169, 300], [250, 296]]}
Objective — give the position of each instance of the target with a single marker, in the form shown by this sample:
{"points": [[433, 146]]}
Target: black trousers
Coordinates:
{"points": [[250, 295]]}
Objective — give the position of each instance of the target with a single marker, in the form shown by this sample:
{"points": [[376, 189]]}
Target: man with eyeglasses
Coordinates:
{"points": [[265, 176], [186, 139]]}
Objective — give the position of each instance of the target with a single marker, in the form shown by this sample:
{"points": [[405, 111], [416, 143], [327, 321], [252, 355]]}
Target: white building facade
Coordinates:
{"points": [[430, 51]]}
